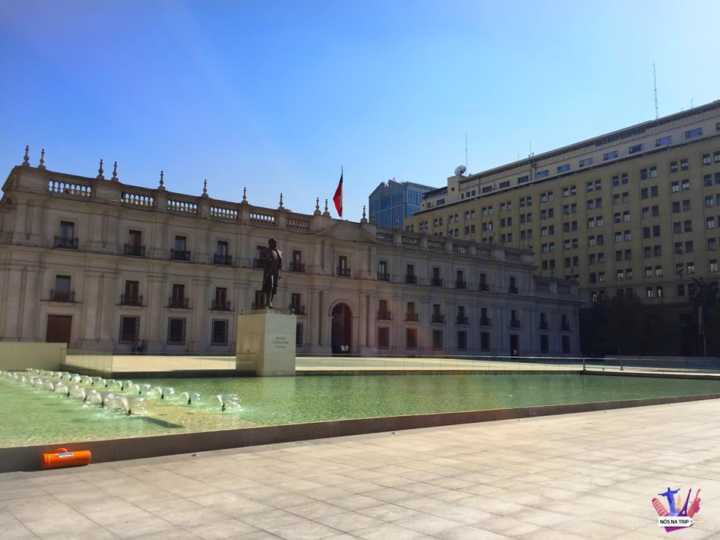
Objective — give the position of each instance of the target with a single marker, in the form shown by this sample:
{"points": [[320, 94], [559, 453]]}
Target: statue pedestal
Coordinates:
{"points": [[266, 343]]}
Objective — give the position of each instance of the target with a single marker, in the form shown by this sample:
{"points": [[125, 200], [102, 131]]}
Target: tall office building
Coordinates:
{"points": [[635, 211], [392, 202]]}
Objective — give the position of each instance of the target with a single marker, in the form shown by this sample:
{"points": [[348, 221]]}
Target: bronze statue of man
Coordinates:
{"points": [[271, 259]]}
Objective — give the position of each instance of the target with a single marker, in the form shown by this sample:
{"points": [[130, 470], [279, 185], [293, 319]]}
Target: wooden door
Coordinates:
{"points": [[59, 328]]}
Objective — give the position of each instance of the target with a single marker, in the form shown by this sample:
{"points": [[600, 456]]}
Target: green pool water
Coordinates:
{"points": [[36, 416]]}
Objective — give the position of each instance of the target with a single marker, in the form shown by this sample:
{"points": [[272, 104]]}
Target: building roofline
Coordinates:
{"points": [[385, 184], [617, 134]]}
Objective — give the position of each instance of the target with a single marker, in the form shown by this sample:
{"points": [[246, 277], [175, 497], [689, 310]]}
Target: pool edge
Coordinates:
{"points": [[27, 458]]}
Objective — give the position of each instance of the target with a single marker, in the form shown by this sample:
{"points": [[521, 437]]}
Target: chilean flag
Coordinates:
{"points": [[337, 198]]}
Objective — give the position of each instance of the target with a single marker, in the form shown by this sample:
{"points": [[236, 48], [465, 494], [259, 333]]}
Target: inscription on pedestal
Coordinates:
{"points": [[266, 343]]}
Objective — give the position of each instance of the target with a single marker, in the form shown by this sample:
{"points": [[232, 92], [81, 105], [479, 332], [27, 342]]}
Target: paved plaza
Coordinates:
{"points": [[588, 475]]}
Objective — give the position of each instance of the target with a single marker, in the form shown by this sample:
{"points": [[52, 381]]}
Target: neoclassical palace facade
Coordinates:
{"points": [[108, 266]]}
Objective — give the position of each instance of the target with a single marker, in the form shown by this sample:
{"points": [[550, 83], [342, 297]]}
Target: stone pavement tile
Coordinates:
{"points": [[466, 532], [427, 524], [387, 494], [420, 504], [121, 513], [73, 523], [392, 481], [289, 500], [349, 521], [302, 530], [508, 526], [653, 531], [222, 528], [259, 535], [296, 485], [543, 518], [35, 509], [189, 518], [231, 503], [592, 530], [272, 518], [450, 495], [422, 488], [389, 512], [139, 528], [172, 503], [326, 493], [261, 493], [360, 487], [451, 482], [315, 509], [389, 531], [462, 514], [12, 528], [550, 534], [8, 493], [493, 506], [355, 502], [98, 533]]}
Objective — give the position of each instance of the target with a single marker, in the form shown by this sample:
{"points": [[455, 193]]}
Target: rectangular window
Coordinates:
{"points": [[663, 141], [563, 168], [586, 162], [132, 293], [411, 338], [607, 156], [62, 286], [67, 230], [437, 337], [485, 341], [544, 344], [462, 340], [693, 133], [222, 248], [135, 238], [219, 332], [634, 149], [299, 334], [129, 329], [180, 243], [176, 331], [178, 293], [384, 337]]}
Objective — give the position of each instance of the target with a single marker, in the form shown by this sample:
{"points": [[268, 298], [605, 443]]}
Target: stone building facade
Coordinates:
{"points": [[108, 266], [632, 212]]}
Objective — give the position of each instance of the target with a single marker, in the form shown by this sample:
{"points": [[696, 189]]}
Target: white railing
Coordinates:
{"points": [[221, 212], [182, 207], [299, 224], [137, 199], [67, 188], [262, 217]]}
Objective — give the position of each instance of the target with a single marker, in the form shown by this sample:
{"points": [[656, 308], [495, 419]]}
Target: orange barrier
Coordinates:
{"points": [[62, 457]]}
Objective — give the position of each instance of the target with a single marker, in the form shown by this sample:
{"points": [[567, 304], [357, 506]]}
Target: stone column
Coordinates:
{"points": [[199, 298], [155, 325]]}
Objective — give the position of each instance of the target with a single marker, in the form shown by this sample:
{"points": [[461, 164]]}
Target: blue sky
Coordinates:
{"points": [[276, 96]]}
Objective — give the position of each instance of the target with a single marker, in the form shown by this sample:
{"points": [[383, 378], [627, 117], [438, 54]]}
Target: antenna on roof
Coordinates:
{"points": [[657, 114], [466, 148]]}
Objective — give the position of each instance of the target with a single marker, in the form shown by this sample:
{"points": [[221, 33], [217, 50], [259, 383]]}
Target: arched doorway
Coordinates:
{"points": [[341, 329]]}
